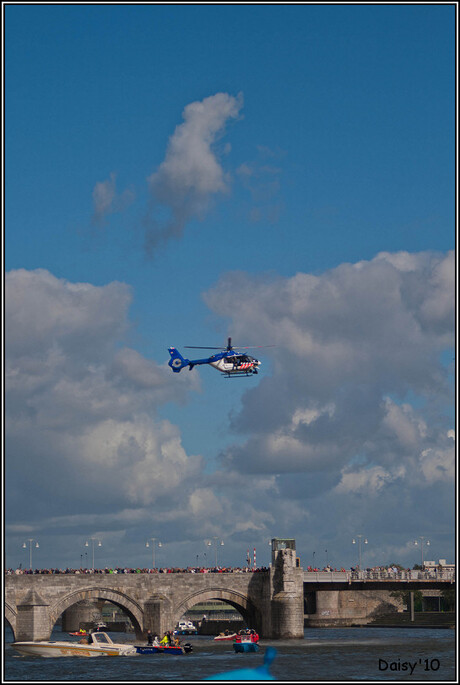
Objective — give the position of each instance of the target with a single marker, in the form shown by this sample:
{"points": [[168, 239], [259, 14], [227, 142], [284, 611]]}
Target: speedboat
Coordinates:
{"points": [[246, 641], [100, 645], [185, 628]]}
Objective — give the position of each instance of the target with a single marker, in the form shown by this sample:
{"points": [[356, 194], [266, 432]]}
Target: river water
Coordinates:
{"points": [[333, 654]]}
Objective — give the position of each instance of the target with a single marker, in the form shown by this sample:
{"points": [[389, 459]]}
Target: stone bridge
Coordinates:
{"points": [[270, 601]]}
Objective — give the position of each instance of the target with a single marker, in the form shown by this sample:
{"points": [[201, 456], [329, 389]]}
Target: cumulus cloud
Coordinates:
{"points": [[346, 431], [353, 410], [81, 408], [87, 452], [191, 173]]}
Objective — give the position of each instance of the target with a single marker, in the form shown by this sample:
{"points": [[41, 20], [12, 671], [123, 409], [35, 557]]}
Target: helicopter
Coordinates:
{"points": [[230, 361]]}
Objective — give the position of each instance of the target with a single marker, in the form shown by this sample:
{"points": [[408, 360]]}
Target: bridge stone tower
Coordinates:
{"points": [[287, 591]]}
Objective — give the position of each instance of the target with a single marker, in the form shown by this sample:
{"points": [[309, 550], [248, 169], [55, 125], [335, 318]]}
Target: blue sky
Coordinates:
{"points": [[237, 170]]}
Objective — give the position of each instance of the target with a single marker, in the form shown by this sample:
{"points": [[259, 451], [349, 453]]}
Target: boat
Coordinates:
{"points": [[246, 646], [223, 636], [100, 645], [100, 625], [163, 649], [185, 628], [80, 633], [246, 641]]}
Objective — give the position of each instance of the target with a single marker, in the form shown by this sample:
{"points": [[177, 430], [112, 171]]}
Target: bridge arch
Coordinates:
{"points": [[11, 616], [120, 599], [239, 601]]}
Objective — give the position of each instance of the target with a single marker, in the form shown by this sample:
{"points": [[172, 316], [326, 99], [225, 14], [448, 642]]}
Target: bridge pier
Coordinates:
{"points": [[33, 621], [287, 600], [335, 608], [157, 615]]}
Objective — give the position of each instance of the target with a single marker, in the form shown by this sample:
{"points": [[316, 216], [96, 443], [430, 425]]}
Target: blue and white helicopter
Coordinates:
{"points": [[231, 362]]}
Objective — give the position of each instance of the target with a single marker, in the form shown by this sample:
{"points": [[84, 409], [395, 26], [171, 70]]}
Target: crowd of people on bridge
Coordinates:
{"points": [[376, 572], [107, 570], [383, 572]]}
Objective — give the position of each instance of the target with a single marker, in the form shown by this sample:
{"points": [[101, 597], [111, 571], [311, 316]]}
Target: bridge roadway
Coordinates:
{"points": [[343, 598], [379, 580]]}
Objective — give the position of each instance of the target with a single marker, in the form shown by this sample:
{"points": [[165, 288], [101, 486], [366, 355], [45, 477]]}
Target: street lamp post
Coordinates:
{"points": [[422, 540], [359, 547], [93, 541], [24, 545], [209, 544], [147, 544]]}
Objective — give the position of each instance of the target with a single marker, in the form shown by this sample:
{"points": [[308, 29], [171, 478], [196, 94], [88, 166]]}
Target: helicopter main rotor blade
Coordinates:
{"points": [[252, 347], [238, 347], [198, 347]]}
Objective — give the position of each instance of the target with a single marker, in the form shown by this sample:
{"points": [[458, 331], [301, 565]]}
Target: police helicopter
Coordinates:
{"points": [[230, 361]]}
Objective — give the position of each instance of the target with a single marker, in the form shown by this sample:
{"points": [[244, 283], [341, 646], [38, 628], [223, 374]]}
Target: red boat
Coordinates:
{"points": [[80, 633], [248, 635]]}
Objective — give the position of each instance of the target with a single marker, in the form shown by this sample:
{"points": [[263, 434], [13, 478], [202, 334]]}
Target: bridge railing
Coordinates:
{"points": [[350, 576]]}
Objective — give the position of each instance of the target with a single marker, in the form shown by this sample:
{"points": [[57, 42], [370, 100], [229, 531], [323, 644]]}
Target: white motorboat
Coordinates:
{"points": [[185, 628], [100, 625], [100, 645]]}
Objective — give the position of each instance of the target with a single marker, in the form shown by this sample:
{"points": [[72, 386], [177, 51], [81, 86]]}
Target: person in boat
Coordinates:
{"points": [[166, 639], [149, 638], [86, 640]]}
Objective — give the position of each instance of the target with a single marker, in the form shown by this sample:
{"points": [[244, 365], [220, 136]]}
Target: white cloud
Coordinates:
{"points": [[86, 450], [353, 413], [369, 480], [191, 174], [103, 197], [438, 463], [81, 412], [348, 432]]}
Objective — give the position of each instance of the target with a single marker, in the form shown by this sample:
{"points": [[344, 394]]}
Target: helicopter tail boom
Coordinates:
{"points": [[177, 362]]}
